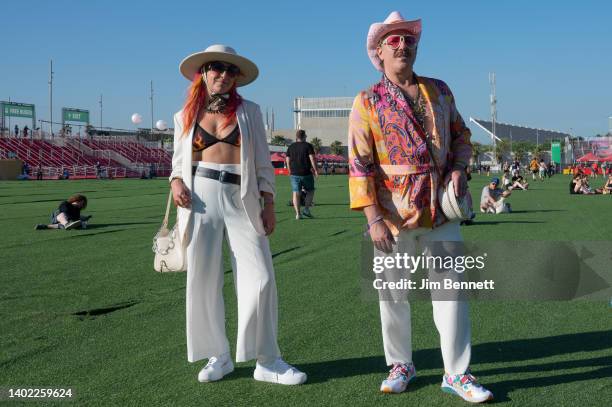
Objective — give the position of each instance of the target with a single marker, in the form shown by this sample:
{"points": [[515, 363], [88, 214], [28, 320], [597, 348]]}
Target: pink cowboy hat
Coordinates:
{"points": [[393, 22]]}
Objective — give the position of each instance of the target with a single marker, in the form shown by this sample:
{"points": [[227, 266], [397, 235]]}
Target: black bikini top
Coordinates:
{"points": [[203, 139]]}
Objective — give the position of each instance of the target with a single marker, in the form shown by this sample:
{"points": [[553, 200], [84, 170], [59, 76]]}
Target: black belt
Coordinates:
{"points": [[221, 176]]}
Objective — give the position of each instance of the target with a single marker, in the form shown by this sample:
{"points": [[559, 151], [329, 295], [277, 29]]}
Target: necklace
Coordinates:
{"points": [[417, 105], [419, 110]]}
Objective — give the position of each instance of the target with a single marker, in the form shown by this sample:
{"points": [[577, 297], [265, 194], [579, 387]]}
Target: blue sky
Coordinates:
{"points": [[553, 60]]}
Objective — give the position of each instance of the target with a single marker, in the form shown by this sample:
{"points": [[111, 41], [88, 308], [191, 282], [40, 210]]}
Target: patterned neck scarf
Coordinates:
{"points": [[217, 103], [404, 134]]}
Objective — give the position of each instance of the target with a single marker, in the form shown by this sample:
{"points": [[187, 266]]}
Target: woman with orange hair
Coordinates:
{"points": [[223, 185]]}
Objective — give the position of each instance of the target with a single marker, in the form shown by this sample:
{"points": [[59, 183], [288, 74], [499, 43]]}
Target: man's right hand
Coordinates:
{"points": [[382, 237], [180, 194]]}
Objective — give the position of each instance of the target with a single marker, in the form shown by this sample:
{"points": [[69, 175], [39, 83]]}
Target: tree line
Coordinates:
{"points": [[335, 146]]}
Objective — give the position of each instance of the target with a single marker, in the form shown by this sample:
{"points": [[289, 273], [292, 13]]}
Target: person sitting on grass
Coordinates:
{"points": [[492, 198], [68, 214], [514, 182], [580, 185], [607, 188], [518, 182]]}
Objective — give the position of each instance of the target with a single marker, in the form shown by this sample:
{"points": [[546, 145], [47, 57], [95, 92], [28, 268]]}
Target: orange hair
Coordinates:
{"points": [[196, 98]]}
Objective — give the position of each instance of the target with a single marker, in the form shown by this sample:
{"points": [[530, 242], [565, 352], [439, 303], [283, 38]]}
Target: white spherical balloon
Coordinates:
{"points": [[136, 118], [161, 125]]}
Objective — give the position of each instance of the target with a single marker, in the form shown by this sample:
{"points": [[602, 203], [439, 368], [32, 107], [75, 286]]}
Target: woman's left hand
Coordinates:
{"points": [[269, 218]]}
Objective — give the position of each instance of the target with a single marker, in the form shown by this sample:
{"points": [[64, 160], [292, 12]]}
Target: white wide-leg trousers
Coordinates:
{"points": [[451, 317], [218, 211]]}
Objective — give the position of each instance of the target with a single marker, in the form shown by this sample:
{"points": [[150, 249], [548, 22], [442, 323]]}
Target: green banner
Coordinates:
{"points": [[75, 115], [18, 110], [555, 152]]}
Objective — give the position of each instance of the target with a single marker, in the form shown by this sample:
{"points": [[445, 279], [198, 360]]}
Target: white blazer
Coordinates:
{"points": [[257, 173]]}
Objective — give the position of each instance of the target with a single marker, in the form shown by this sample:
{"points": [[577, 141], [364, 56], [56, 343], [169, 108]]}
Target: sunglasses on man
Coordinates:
{"points": [[220, 67], [394, 41]]}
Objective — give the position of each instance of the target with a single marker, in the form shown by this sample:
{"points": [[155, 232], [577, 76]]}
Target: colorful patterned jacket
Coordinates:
{"points": [[372, 174]]}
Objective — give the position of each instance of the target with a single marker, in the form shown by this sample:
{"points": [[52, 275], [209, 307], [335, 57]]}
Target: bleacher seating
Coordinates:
{"points": [[133, 151], [522, 133], [55, 158]]}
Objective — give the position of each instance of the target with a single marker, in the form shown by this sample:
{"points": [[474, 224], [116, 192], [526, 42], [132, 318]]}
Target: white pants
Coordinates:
{"points": [[451, 317], [218, 211]]}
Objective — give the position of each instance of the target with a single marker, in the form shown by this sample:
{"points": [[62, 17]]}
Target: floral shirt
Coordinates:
{"points": [[396, 159]]}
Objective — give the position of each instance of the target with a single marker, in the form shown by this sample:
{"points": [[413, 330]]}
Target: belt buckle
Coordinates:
{"points": [[222, 175]]}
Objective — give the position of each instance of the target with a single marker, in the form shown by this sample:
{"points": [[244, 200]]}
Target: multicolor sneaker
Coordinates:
{"points": [[466, 386], [399, 376]]}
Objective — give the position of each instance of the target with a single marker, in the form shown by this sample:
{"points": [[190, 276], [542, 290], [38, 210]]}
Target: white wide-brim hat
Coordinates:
{"points": [[454, 208], [194, 62], [393, 22]]}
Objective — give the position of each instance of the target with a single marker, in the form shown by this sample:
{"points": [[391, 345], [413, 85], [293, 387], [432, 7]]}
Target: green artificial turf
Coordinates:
{"points": [[84, 308]]}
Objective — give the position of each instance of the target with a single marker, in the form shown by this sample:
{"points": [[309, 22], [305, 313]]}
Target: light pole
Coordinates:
{"points": [[51, 96], [100, 102], [152, 107], [493, 112]]}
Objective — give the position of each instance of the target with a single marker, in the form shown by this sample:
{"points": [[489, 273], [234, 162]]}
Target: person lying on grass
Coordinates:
{"points": [[68, 214]]}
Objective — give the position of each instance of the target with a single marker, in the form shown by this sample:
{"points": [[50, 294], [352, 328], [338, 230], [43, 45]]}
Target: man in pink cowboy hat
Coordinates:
{"points": [[406, 140]]}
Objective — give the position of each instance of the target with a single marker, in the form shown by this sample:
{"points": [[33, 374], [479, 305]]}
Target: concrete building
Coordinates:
{"points": [[325, 118]]}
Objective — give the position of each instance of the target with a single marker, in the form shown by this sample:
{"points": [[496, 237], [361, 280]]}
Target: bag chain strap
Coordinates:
{"points": [[165, 222]]}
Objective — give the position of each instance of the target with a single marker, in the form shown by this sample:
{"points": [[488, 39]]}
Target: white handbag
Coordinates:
{"points": [[169, 252]]}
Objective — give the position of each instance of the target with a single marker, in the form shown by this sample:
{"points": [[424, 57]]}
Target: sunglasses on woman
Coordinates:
{"points": [[394, 41], [220, 67]]}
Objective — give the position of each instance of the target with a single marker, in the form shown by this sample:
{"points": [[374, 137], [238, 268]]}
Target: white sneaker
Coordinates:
{"points": [[216, 368], [279, 372], [73, 225]]}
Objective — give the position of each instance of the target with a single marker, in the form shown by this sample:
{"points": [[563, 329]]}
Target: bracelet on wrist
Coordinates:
{"points": [[377, 219]]}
